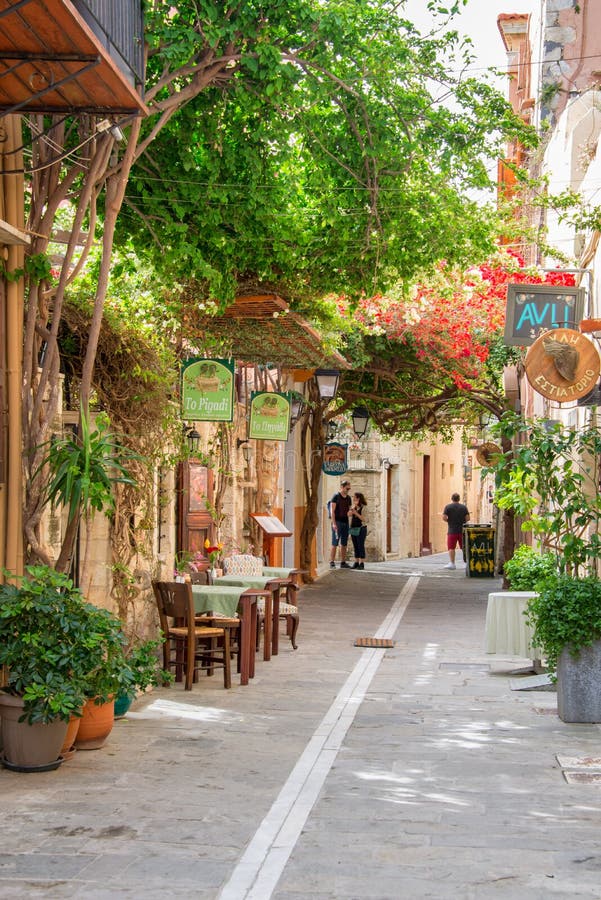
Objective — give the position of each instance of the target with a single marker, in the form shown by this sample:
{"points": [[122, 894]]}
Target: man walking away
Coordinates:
{"points": [[455, 514]]}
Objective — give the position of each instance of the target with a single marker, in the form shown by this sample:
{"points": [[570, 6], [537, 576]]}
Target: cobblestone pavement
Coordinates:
{"points": [[339, 772]]}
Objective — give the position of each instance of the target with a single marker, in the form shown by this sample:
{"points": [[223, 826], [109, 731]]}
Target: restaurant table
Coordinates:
{"points": [[230, 600], [278, 572], [272, 588], [506, 629]]}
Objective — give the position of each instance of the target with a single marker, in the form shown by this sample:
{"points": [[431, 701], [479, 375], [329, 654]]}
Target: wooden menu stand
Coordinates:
{"points": [[272, 528]]}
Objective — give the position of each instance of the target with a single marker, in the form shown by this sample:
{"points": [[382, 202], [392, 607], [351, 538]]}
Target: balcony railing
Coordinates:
{"points": [[119, 26]]}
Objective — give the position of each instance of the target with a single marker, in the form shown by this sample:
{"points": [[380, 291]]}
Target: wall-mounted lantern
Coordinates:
{"points": [[193, 439]]}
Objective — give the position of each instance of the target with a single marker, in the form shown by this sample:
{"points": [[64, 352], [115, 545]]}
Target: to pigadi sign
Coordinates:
{"points": [[207, 390]]}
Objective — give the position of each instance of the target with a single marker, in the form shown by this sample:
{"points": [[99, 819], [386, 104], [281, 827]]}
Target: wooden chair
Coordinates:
{"points": [[183, 636], [203, 576], [232, 625], [245, 564]]}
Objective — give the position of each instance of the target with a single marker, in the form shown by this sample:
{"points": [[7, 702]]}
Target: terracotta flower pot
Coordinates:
{"points": [[68, 748], [95, 725], [29, 748]]}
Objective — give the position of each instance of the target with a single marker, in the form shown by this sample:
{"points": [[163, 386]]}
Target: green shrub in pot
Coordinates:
{"points": [[59, 650], [143, 662], [46, 644], [109, 671], [527, 567], [565, 614]]}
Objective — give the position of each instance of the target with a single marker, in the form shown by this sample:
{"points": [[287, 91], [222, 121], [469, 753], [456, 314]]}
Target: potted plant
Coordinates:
{"points": [[143, 662], [181, 564], [108, 674], [566, 617], [551, 479], [47, 674], [527, 567]]}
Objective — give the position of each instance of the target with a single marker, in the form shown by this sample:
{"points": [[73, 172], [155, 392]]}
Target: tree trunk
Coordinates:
{"points": [[313, 440], [508, 522]]}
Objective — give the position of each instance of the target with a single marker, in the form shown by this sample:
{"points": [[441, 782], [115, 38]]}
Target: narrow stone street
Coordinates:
{"points": [[339, 772]]}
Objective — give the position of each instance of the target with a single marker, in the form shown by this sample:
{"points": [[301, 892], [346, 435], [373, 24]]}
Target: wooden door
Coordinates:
{"points": [[426, 545], [194, 519], [389, 509]]}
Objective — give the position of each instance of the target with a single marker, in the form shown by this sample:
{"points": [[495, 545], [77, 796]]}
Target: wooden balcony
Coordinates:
{"points": [[71, 56]]}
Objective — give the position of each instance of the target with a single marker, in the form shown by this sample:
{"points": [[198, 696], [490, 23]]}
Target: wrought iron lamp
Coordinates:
{"points": [[360, 417], [246, 448], [193, 438], [297, 407]]}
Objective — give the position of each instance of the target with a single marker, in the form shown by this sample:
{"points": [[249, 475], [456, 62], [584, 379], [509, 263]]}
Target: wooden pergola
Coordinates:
{"points": [[262, 329]]}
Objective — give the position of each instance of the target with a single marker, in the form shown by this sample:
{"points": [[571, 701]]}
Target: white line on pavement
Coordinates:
{"points": [[259, 869]]}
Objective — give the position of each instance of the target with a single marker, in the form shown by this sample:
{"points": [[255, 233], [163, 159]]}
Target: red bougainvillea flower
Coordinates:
{"points": [[453, 320]]}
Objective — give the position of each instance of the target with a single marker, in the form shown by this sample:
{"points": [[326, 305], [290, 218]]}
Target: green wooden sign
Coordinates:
{"points": [[207, 390], [269, 416]]}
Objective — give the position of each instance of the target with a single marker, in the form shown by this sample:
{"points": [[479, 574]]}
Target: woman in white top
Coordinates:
{"points": [[358, 528]]}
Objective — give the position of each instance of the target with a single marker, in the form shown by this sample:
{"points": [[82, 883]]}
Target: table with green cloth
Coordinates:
{"points": [[223, 599], [275, 572], [271, 585], [252, 581], [232, 600]]}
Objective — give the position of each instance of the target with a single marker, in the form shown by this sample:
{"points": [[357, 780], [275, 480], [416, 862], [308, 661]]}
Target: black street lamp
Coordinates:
{"points": [[327, 382], [360, 418], [193, 439]]}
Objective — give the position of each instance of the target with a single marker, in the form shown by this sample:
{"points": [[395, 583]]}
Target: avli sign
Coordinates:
{"points": [[535, 308], [207, 390], [269, 416]]}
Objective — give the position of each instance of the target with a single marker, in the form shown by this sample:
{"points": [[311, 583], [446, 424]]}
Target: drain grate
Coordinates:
{"points": [[579, 762], [458, 666], [373, 642], [582, 777]]}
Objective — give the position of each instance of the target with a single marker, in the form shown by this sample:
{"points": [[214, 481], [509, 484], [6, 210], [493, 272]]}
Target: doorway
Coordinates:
{"points": [[426, 544], [195, 490]]}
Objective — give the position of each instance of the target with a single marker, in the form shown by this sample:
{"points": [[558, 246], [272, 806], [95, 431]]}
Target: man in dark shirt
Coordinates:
{"points": [[338, 507], [455, 514]]}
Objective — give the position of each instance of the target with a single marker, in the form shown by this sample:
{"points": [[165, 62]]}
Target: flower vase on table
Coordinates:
{"points": [[213, 552]]}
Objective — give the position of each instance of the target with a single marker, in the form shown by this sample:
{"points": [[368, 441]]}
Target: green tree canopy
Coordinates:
{"points": [[321, 157]]}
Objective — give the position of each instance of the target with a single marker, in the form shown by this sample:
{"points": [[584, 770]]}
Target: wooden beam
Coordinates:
{"points": [[11, 235]]}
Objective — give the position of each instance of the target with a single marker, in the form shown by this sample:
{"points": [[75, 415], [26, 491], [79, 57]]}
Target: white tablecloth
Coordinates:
{"points": [[507, 630]]}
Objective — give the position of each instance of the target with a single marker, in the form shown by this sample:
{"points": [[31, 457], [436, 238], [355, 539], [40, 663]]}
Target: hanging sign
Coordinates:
{"points": [[269, 416], [207, 390], [335, 459], [563, 365], [534, 308]]}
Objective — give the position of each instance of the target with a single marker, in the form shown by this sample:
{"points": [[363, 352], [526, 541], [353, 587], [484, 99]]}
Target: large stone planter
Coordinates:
{"points": [[579, 685]]}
